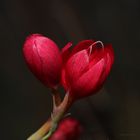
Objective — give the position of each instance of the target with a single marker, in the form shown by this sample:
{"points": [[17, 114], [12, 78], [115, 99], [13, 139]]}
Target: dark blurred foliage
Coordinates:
{"points": [[114, 113]]}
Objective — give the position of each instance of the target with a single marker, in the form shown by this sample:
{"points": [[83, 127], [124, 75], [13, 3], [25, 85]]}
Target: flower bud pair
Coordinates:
{"points": [[82, 70]]}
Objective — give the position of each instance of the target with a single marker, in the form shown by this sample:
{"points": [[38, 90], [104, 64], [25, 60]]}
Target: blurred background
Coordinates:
{"points": [[25, 104]]}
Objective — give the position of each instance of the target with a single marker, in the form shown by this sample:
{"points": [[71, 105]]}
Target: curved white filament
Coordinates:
{"points": [[95, 43]]}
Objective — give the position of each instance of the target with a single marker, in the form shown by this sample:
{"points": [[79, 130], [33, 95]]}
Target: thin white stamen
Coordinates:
{"points": [[98, 42], [95, 43]]}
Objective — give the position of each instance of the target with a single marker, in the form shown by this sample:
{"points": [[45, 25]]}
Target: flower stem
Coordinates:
{"points": [[52, 129], [59, 109], [47, 136], [58, 114], [56, 97], [41, 132]]}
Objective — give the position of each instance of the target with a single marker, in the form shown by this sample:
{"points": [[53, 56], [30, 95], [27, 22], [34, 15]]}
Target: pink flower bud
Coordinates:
{"points": [[43, 58], [86, 67], [68, 129]]}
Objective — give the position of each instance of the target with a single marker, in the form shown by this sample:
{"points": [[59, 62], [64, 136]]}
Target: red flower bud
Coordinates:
{"points": [[43, 58], [68, 129], [86, 67]]}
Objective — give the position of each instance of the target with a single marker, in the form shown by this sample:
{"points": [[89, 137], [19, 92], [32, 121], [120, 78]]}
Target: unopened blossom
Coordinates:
{"points": [[43, 58], [68, 129], [85, 67]]}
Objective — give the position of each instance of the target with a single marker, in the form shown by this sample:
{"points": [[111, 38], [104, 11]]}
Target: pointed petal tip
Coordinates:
{"points": [[66, 47], [82, 45], [65, 52]]}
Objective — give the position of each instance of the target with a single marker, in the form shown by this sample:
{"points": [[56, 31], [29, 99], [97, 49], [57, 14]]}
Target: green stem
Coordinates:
{"points": [[51, 131], [58, 114], [47, 136], [59, 110]]}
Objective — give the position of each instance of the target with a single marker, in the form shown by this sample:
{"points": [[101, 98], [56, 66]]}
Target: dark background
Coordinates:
{"points": [[25, 104]]}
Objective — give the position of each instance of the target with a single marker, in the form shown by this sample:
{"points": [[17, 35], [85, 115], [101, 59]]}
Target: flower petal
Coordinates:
{"points": [[64, 79], [88, 82], [109, 60], [65, 52], [51, 59], [76, 65], [82, 45], [109, 50], [96, 56], [32, 57]]}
